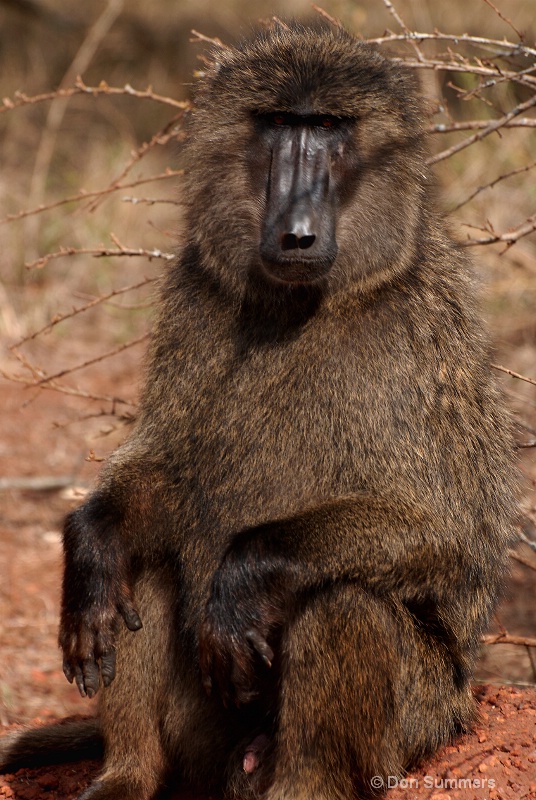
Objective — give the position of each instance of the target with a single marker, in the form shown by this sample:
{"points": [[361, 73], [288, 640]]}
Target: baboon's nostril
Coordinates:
{"points": [[289, 241], [304, 242]]}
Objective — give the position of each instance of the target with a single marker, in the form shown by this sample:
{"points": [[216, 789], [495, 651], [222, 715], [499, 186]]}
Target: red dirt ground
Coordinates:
{"points": [[496, 761]]}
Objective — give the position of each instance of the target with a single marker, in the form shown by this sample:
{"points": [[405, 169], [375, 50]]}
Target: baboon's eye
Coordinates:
{"points": [[288, 119], [327, 121]]}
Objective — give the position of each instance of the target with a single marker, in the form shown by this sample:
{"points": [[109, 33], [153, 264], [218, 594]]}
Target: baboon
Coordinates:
{"points": [[281, 578]]}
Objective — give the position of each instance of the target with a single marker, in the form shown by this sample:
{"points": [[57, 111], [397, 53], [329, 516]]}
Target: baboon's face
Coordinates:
{"points": [[302, 158], [305, 163]]}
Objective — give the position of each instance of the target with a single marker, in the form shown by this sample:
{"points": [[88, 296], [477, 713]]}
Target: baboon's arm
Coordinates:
{"points": [[384, 545], [96, 593]]}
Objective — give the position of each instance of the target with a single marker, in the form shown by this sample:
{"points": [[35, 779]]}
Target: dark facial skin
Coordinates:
{"points": [[298, 236]]}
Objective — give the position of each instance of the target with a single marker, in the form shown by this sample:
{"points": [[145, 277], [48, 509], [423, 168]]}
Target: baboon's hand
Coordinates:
{"points": [[87, 636], [96, 592], [242, 612]]}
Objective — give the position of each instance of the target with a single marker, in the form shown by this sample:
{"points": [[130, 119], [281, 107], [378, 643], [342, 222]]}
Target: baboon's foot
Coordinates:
{"points": [[254, 752]]}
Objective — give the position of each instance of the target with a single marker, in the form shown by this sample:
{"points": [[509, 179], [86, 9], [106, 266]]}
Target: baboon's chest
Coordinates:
{"points": [[276, 435]]}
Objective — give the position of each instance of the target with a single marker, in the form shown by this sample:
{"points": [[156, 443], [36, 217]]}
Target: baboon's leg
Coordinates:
{"points": [[362, 694], [133, 706]]}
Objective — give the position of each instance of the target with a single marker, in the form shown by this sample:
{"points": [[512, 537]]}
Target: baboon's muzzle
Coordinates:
{"points": [[298, 233]]}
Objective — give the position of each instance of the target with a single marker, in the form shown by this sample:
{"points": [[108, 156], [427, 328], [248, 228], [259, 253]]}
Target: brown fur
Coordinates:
{"points": [[322, 470]]}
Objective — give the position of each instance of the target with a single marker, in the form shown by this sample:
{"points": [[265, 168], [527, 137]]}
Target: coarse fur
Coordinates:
{"points": [[312, 514]]}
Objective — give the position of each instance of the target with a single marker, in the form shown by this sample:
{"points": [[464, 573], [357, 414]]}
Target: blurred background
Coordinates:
{"points": [[90, 129]]}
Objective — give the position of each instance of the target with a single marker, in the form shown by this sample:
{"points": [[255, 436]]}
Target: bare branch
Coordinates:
{"points": [[505, 19], [527, 562], [21, 99], [324, 13], [123, 416], [91, 361], [99, 252], [84, 195], [493, 183], [509, 238], [36, 483], [490, 128], [502, 47], [392, 10], [525, 539], [200, 37], [506, 638], [81, 309], [63, 389], [514, 374], [152, 201], [476, 124], [498, 76], [57, 109], [160, 138]]}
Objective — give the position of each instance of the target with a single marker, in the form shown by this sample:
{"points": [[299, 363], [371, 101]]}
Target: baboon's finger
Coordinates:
{"points": [[108, 667], [90, 672], [130, 616], [68, 671], [79, 680], [261, 646]]}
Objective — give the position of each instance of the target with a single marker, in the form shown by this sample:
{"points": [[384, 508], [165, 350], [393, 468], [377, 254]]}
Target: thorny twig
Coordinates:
{"points": [[170, 131], [477, 124], [100, 252], [100, 193], [527, 562], [493, 183], [509, 237], [514, 374], [56, 112], [505, 19], [36, 373], [506, 638], [21, 99], [323, 13], [530, 542], [103, 298], [491, 128], [499, 47], [392, 10], [200, 37], [101, 357]]}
